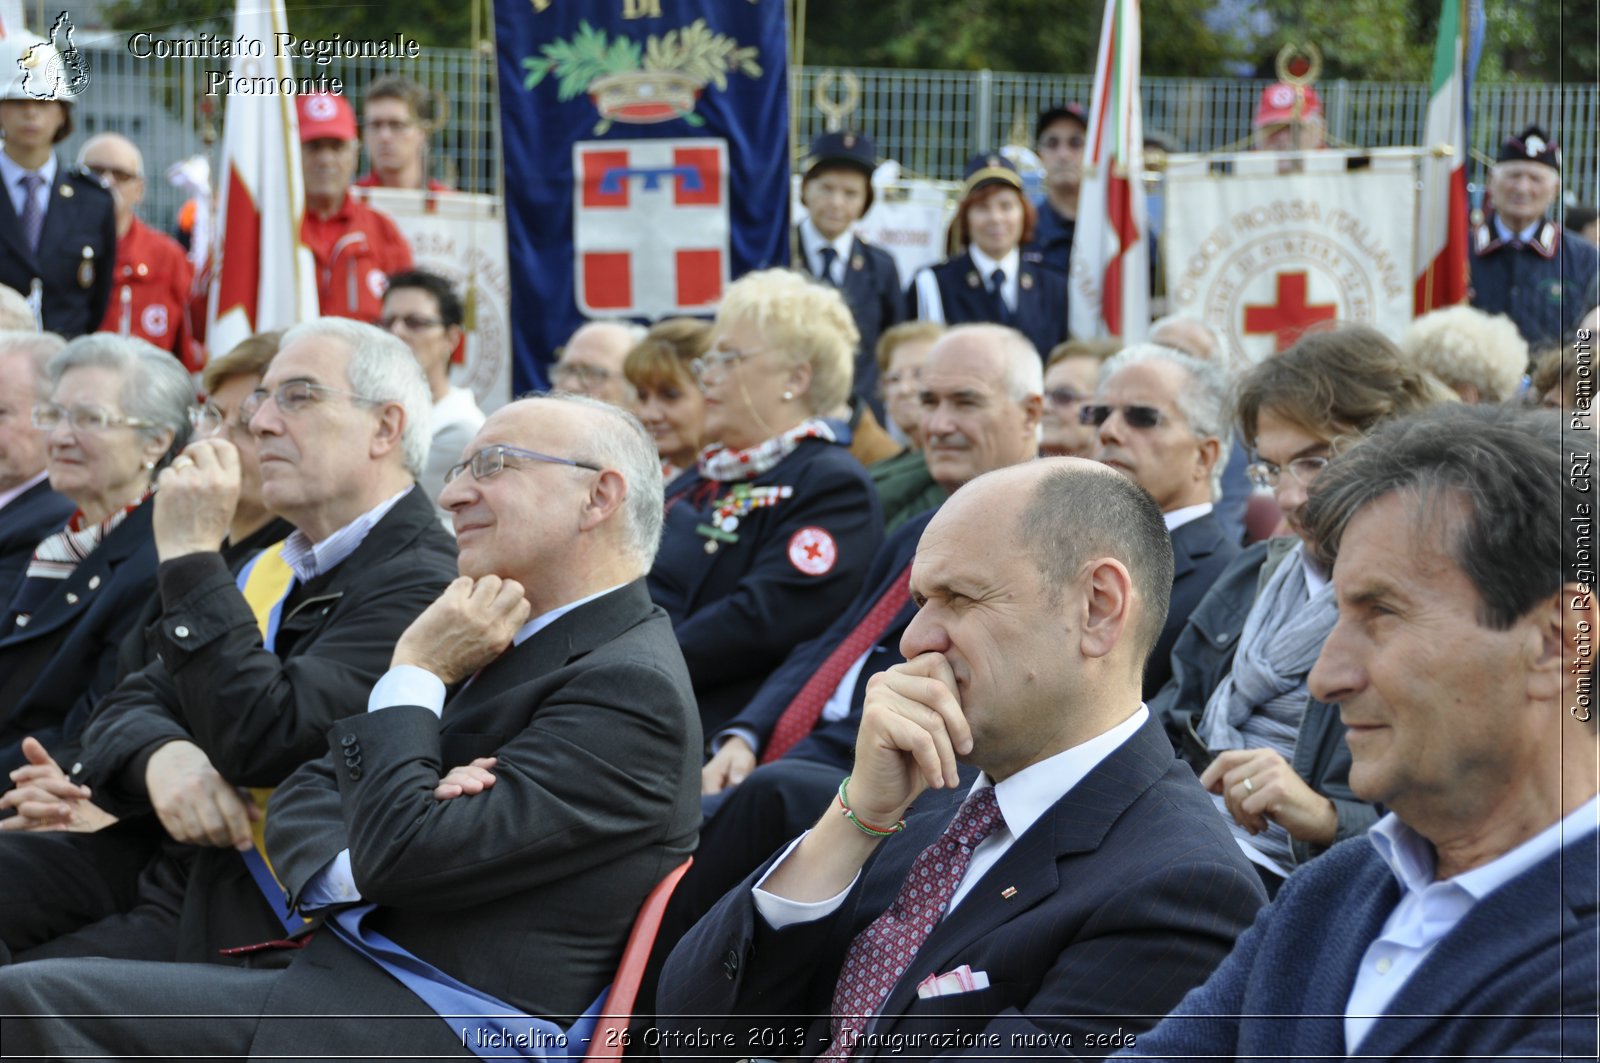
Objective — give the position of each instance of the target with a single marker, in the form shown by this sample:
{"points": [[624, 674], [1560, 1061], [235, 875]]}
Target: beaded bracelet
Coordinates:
{"points": [[862, 825]]}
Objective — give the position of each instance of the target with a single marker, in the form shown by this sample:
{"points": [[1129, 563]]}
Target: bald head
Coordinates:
{"points": [[117, 161], [591, 363], [1191, 336]]}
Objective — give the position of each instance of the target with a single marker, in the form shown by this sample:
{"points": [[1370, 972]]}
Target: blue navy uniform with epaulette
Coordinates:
{"points": [[58, 225], [749, 570], [993, 280], [1532, 270], [865, 275]]}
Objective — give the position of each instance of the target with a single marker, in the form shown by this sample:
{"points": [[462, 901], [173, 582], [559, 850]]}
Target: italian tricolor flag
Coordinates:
{"points": [[1110, 285], [1441, 232]]}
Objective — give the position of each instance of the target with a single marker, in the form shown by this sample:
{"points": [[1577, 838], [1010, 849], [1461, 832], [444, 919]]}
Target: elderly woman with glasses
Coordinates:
{"points": [[768, 538], [119, 410], [989, 277]]}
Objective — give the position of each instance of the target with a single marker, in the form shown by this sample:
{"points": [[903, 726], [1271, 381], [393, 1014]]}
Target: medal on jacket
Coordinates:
{"points": [[723, 526], [86, 268]]}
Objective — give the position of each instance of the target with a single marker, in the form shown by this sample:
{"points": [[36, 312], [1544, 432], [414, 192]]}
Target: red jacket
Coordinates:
{"points": [[356, 249], [150, 293]]}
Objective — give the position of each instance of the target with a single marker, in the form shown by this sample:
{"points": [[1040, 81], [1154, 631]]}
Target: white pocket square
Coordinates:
{"points": [[961, 980]]}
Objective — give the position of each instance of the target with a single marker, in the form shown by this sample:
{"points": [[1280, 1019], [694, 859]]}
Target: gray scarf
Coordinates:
{"points": [[1282, 637]]}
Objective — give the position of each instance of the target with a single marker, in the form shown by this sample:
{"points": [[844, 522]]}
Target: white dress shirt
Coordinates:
{"points": [[1012, 264], [1179, 517], [1430, 909], [1022, 798], [811, 244], [310, 560], [409, 685], [12, 173]]}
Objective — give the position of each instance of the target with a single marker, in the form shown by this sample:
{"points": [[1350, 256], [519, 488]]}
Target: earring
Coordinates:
{"points": [[788, 396], [149, 465]]}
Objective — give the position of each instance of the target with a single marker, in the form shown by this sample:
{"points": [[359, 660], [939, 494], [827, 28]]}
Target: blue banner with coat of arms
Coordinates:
{"points": [[646, 159]]}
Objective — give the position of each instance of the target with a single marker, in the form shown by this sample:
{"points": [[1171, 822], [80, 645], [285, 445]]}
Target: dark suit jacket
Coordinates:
{"points": [[1515, 979], [53, 671], [834, 742], [1200, 551], [1041, 313], [1128, 892], [78, 244], [24, 523], [873, 293], [740, 609], [527, 890]]}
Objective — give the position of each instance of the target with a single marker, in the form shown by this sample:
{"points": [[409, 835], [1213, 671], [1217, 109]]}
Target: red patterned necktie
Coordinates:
{"points": [[880, 954], [801, 715]]}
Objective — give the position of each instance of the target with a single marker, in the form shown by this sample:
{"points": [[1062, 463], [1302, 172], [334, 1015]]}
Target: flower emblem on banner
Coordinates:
{"points": [[641, 84]]}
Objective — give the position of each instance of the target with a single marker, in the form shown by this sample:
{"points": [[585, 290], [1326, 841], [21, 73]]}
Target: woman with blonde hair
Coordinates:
{"points": [[768, 538]]}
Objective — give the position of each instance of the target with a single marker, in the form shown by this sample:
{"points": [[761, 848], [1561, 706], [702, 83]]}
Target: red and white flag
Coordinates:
{"points": [[1110, 283], [262, 277], [1440, 251]]}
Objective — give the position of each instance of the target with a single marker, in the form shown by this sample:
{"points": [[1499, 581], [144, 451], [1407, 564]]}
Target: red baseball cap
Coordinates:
{"points": [[1277, 105], [324, 116]]}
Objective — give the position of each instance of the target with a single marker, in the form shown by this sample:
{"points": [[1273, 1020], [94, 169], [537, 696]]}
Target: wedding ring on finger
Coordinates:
{"points": [[1249, 786]]}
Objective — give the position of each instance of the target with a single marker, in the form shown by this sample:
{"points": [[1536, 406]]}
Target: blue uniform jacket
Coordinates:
{"points": [[1041, 312], [795, 566], [1544, 286], [77, 250]]}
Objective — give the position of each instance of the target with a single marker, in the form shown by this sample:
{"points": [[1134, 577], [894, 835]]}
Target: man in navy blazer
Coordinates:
{"points": [[1162, 417], [1463, 925], [981, 401], [1084, 883], [29, 509]]}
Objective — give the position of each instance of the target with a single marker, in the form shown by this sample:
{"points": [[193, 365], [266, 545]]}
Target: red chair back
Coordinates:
{"points": [[609, 1042]]}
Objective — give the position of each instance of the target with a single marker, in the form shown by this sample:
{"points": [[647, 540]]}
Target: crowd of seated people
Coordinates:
{"points": [[284, 751]]}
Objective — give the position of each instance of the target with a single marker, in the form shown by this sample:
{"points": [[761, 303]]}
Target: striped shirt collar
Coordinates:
{"points": [[310, 560]]}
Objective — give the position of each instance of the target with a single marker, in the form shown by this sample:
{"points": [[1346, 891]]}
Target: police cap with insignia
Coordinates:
{"points": [[1531, 145], [846, 150], [1048, 117], [987, 168]]}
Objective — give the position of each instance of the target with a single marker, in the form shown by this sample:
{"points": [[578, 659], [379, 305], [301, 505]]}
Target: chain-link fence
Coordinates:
{"points": [[932, 121]]}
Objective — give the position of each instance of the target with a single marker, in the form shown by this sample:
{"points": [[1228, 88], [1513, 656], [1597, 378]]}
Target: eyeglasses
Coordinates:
{"points": [[47, 415], [1074, 141], [294, 396], [718, 359], [113, 173], [412, 322], [491, 460], [1140, 417], [1061, 398], [208, 419], [581, 374], [1304, 470]]}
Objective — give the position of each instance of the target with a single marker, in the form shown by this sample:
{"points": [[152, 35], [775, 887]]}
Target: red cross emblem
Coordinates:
{"points": [[813, 551], [1291, 316]]}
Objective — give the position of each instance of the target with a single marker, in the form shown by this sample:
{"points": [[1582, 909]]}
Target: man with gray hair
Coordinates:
{"points": [[1162, 421], [252, 667], [503, 888], [1463, 926], [591, 362], [29, 509]]}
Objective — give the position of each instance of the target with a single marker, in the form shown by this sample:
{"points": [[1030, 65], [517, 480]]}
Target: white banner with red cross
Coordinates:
{"points": [[1264, 245], [650, 226]]}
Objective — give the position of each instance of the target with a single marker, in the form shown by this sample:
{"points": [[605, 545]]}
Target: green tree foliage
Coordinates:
{"points": [[1021, 35]]}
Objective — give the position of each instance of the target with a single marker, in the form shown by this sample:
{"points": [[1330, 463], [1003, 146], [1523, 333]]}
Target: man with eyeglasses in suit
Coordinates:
{"points": [[252, 666], [1161, 420], [150, 293]]}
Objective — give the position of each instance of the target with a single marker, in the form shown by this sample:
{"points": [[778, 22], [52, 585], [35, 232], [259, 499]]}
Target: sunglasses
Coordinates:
{"points": [[1141, 417]]}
